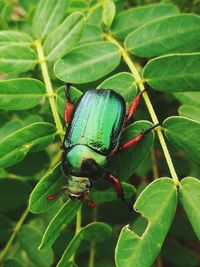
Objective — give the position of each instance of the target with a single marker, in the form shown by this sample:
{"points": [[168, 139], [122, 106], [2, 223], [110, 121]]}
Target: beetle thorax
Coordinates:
{"points": [[83, 161]]}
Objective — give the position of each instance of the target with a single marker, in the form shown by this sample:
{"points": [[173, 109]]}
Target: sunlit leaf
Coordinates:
{"points": [[19, 94], [109, 10], [131, 19], [184, 134], [48, 16], [88, 62], [178, 33], [65, 37], [16, 59], [174, 73], [152, 206], [14, 38], [122, 83], [190, 112]]}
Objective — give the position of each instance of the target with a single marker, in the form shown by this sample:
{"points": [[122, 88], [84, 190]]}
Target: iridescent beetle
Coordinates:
{"points": [[95, 124]]}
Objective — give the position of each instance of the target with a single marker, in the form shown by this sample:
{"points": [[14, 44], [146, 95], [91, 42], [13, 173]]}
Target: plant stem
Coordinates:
{"points": [[15, 231], [78, 221], [49, 88], [150, 108]]}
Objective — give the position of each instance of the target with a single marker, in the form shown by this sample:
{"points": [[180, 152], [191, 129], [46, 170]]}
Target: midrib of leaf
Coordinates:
{"points": [[162, 38], [91, 61], [67, 37], [50, 18], [178, 76], [19, 61]]}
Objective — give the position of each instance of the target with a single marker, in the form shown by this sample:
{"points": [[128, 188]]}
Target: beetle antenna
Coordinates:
{"points": [[53, 197], [89, 202]]}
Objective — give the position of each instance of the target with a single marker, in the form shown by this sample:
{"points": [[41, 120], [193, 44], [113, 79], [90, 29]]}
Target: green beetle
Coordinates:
{"points": [[95, 125]]}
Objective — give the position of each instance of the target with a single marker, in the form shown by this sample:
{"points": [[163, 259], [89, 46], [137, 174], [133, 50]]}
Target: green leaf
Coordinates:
{"points": [[6, 227], [96, 231], [48, 16], [20, 94], [131, 19], [122, 83], [178, 33], [90, 34], [109, 10], [51, 183], [70, 250], [189, 98], [88, 62], [10, 127], [77, 5], [190, 198], [190, 112], [174, 73], [29, 239], [15, 146], [184, 134], [155, 208], [13, 193], [178, 255], [14, 38], [124, 163], [102, 196], [12, 263], [61, 98], [16, 59], [63, 217], [65, 37]]}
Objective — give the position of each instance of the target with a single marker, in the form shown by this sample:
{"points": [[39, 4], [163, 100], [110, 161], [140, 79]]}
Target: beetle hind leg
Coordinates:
{"points": [[68, 104], [133, 107], [119, 189]]}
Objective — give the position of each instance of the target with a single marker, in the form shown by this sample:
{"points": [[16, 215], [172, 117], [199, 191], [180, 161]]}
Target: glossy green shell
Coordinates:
{"points": [[97, 121]]}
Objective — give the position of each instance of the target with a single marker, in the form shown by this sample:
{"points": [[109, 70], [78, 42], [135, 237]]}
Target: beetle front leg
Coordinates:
{"points": [[118, 188], [136, 139], [68, 104], [133, 107]]}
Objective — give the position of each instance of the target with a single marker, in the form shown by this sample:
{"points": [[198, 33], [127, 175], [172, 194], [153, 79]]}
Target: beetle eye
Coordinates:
{"points": [[88, 184]]}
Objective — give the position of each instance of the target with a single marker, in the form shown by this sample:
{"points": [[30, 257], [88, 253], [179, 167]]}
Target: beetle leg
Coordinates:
{"points": [[133, 107], [90, 203], [53, 197], [136, 139], [68, 104], [118, 188]]}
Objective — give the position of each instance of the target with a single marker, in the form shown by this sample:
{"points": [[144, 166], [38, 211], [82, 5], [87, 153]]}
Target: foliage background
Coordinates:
{"points": [[20, 230]]}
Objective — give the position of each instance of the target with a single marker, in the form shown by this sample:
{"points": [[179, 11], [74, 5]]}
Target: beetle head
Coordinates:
{"points": [[78, 187]]}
